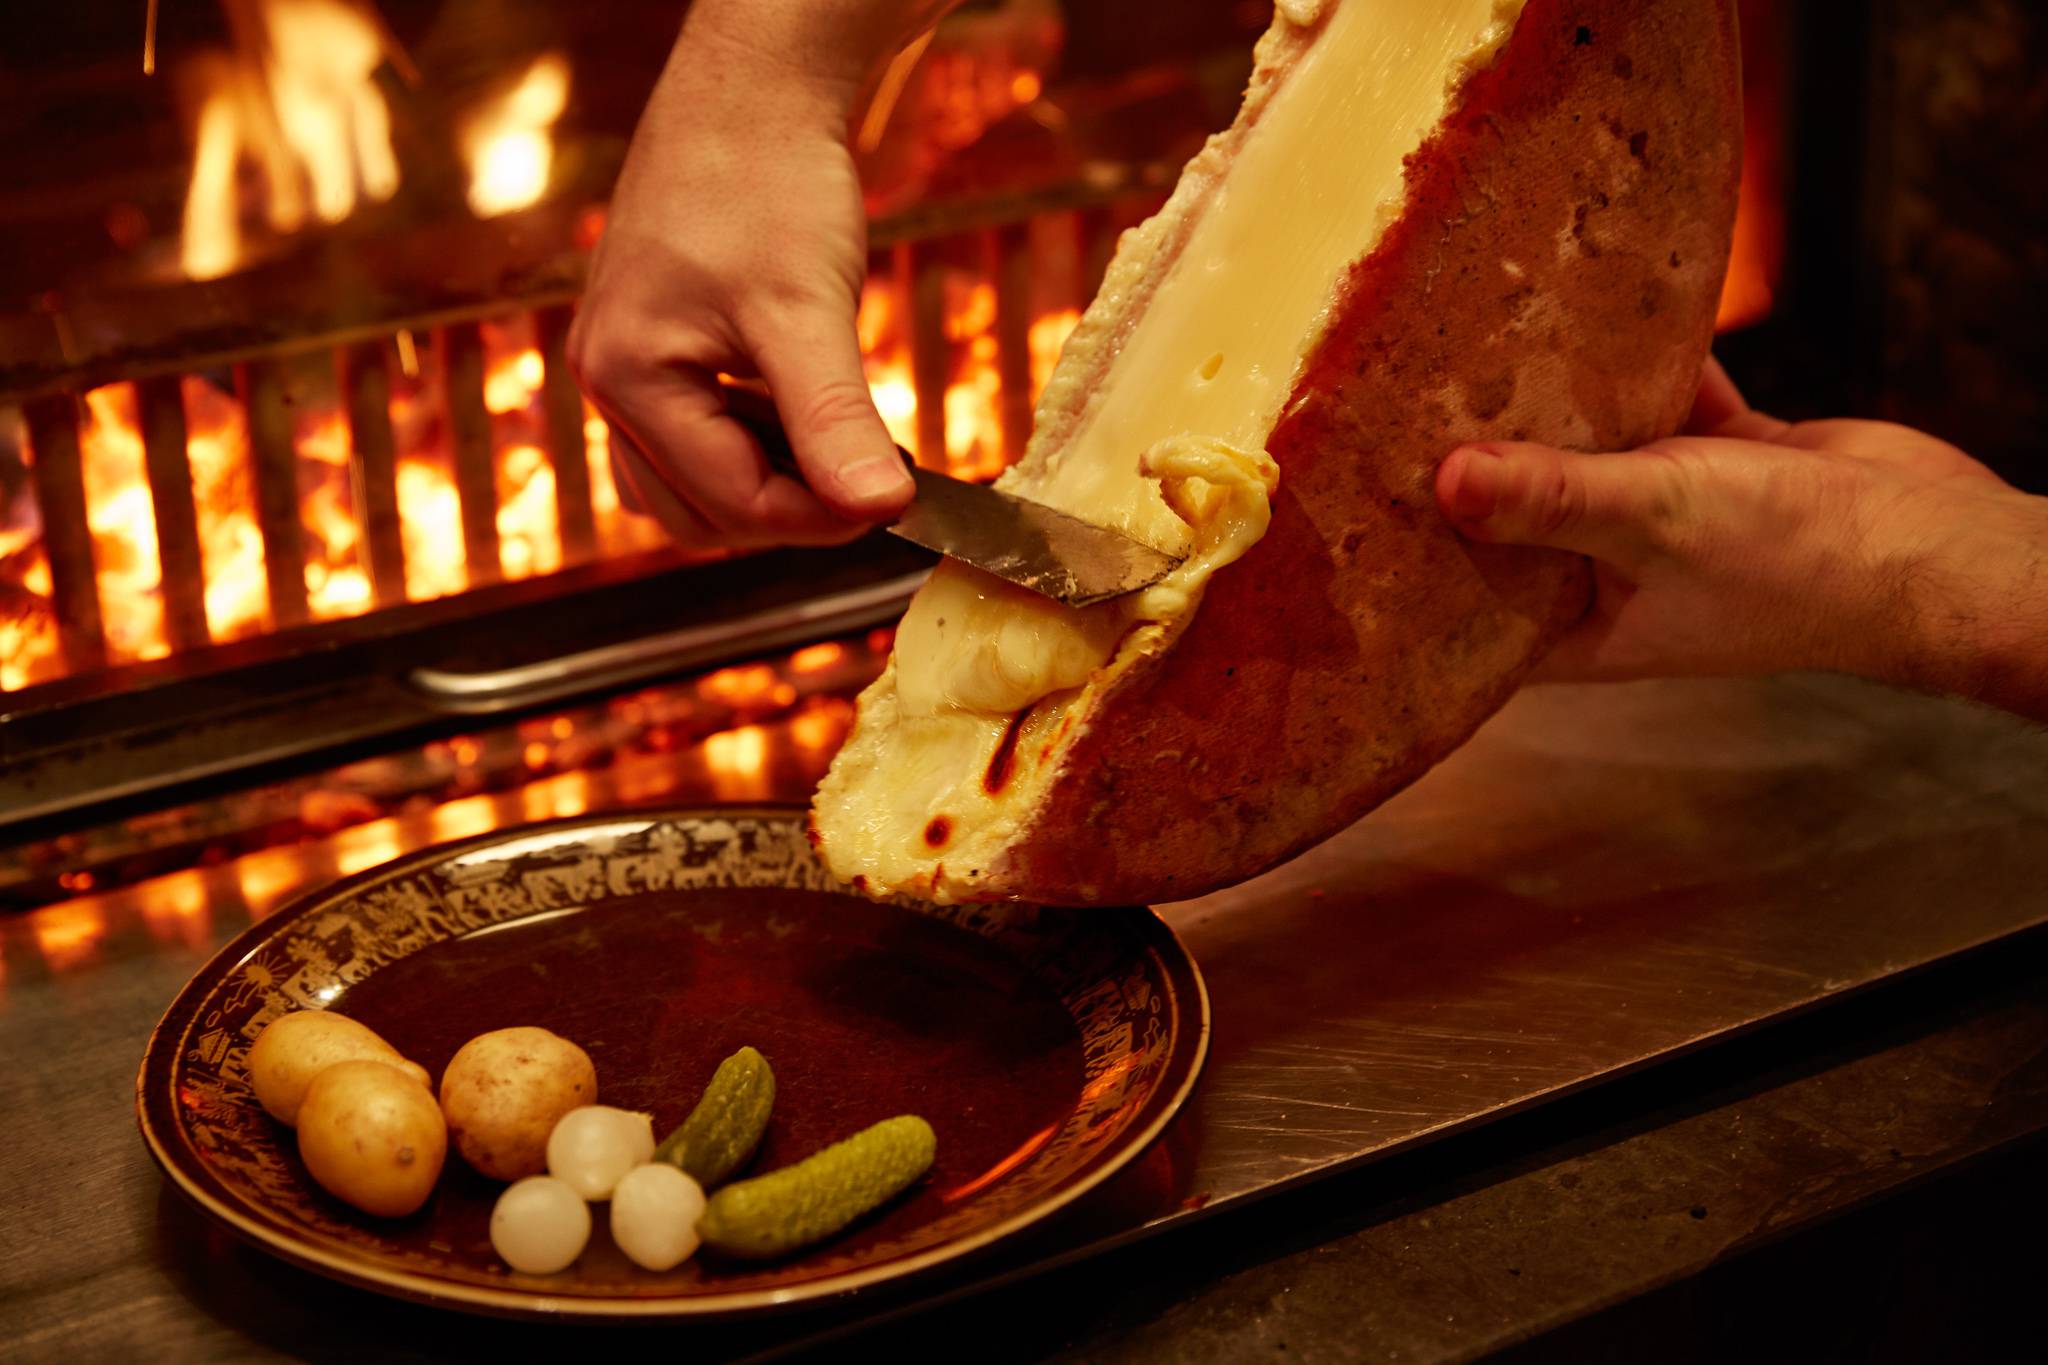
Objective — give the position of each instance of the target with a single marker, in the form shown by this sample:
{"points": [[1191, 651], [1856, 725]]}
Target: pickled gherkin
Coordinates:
{"points": [[723, 1132], [786, 1210]]}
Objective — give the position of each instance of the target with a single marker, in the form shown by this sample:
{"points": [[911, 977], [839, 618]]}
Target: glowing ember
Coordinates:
{"points": [[337, 585], [737, 687], [529, 540], [738, 760], [511, 383], [230, 543], [820, 729], [506, 140], [817, 658]]}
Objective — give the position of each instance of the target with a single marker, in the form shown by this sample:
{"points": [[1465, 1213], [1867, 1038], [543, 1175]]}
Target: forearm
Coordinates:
{"points": [[827, 46]]}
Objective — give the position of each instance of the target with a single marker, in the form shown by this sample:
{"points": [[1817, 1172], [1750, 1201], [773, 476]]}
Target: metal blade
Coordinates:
{"points": [[1017, 540], [1028, 543]]}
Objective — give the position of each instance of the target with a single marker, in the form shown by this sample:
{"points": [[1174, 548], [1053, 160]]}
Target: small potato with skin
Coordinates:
{"points": [[372, 1135], [503, 1093], [296, 1047]]}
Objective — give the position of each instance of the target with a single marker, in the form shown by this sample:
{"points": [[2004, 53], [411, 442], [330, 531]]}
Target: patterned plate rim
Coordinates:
{"points": [[1187, 1053]]}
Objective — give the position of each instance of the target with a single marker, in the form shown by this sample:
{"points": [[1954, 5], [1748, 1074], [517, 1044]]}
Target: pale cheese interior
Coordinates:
{"points": [[1169, 449]]}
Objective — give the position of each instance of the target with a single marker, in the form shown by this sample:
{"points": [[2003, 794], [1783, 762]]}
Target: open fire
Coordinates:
{"points": [[292, 523], [337, 573]]}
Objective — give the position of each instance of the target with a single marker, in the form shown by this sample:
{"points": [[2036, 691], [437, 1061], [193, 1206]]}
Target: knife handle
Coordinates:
{"points": [[753, 409]]}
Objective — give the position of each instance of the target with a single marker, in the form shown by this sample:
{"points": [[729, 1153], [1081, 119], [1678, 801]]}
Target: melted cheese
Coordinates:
{"points": [[984, 675], [990, 646], [956, 741]]}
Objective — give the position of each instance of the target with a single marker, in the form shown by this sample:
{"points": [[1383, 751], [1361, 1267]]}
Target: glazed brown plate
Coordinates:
{"points": [[1046, 1047]]}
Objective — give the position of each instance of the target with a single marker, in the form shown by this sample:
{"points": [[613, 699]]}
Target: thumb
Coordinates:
{"points": [[812, 366], [1605, 506]]}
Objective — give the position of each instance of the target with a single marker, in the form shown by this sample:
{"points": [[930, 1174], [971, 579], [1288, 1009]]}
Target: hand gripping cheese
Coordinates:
{"points": [[1433, 221]]}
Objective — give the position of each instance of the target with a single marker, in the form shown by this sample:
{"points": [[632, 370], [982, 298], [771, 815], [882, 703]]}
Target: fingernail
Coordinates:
{"points": [[878, 476], [1475, 493]]}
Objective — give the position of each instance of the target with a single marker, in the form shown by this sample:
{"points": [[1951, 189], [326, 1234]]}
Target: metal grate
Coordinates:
{"points": [[997, 240]]}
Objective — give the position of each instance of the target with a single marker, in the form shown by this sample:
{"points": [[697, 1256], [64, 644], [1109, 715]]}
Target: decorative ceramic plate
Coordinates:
{"points": [[1046, 1047]]}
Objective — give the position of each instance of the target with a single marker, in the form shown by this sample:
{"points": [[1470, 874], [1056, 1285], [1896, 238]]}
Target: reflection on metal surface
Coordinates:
{"points": [[69, 935], [1586, 888], [176, 911], [617, 665]]}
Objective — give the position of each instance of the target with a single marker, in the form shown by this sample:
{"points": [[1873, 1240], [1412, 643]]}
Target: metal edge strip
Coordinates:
{"points": [[525, 684]]}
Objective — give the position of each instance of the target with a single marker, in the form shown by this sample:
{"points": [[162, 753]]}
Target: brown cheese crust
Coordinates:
{"points": [[1553, 277]]}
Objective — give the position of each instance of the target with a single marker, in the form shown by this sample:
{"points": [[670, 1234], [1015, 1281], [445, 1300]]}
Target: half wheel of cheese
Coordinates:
{"points": [[1433, 221]]}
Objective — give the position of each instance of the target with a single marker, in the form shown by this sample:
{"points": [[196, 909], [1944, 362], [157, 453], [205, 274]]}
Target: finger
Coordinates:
{"points": [[641, 484], [677, 419], [1717, 401], [622, 479], [1719, 409], [1612, 507], [813, 368]]}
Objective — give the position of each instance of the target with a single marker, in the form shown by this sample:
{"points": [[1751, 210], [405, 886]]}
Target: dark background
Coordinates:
{"points": [[1916, 264]]}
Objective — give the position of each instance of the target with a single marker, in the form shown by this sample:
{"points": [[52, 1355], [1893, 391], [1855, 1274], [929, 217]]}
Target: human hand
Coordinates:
{"points": [[1749, 544], [737, 243]]}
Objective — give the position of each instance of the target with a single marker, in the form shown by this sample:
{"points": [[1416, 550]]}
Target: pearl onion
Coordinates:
{"points": [[654, 1215], [539, 1225], [593, 1146]]}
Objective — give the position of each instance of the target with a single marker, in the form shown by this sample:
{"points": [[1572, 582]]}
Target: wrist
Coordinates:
{"points": [[1970, 593]]}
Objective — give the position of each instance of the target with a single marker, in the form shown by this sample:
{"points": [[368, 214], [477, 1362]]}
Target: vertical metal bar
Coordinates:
{"points": [[364, 374], [59, 476], [274, 458], [562, 410], [1010, 265], [160, 409], [469, 424], [922, 273]]}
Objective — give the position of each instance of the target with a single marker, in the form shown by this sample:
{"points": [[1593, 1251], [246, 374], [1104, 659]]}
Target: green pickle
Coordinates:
{"points": [[786, 1210], [724, 1131]]}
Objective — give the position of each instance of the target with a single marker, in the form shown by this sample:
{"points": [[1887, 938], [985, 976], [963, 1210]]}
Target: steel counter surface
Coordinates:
{"points": [[1604, 878]]}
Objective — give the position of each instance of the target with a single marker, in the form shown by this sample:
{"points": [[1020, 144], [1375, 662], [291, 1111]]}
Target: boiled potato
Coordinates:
{"points": [[296, 1047], [372, 1135], [503, 1092]]}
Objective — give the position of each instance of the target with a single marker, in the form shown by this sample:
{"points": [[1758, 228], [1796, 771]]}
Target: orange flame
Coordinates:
{"points": [[236, 594], [298, 100], [506, 141]]}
